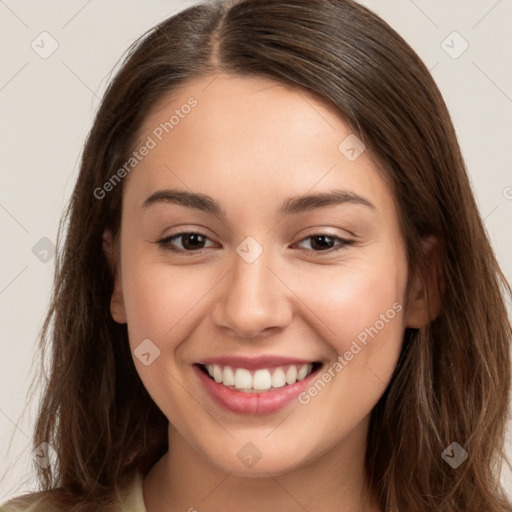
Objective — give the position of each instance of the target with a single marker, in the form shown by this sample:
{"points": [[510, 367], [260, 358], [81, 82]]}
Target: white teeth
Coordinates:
{"points": [[243, 379], [278, 378], [303, 371], [262, 379], [217, 373], [228, 376], [291, 375]]}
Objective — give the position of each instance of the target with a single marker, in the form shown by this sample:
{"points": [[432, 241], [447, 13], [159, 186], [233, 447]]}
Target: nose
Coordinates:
{"points": [[254, 300]]}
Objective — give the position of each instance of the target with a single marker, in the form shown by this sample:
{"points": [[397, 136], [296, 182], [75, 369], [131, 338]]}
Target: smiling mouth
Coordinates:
{"points": [[257, 381]]}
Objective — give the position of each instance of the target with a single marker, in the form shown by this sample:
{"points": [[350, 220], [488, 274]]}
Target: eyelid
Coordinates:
{"points": [[166, 245], [344, 242]]}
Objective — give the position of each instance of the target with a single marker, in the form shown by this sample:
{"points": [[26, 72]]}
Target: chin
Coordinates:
{"points": [[248, 460]]}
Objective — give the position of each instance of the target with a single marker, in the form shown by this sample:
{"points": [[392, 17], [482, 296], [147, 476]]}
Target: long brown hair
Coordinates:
{"points": [[453, 378]]}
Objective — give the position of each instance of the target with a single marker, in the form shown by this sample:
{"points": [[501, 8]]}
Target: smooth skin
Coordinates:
{"points": [[251, 144]]}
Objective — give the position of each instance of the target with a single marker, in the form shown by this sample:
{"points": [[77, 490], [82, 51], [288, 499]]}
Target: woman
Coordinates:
{"points": [[339, 342]]}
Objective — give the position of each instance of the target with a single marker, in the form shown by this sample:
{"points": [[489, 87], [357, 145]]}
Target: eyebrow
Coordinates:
{"points": [[292, 205]]}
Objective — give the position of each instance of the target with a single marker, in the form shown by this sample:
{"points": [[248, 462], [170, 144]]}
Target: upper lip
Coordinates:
{"points": [[254, 363]]}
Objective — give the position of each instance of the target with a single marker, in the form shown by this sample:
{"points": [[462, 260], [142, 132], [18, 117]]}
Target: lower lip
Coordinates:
{"points": [[265, 402]]}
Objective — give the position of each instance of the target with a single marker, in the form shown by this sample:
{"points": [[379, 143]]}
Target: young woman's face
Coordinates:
{"points": [[266, 286]]}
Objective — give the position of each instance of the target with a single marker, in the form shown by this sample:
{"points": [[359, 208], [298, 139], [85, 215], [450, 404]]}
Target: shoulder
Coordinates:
{"points": [[128, 497]]}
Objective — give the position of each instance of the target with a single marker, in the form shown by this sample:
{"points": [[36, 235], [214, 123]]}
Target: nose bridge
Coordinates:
{"points": [[250, 269], [253, 298]]}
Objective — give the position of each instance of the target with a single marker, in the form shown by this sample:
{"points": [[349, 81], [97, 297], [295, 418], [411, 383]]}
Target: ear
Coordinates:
{"points": [[117, 308], [425, 294]]}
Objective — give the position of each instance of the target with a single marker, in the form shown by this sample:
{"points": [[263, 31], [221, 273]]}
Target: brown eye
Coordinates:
{"points": [[323, 242], [190, 241]]}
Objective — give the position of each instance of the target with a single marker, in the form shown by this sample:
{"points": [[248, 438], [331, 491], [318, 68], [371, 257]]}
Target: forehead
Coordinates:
{"points": [[223, 134]]}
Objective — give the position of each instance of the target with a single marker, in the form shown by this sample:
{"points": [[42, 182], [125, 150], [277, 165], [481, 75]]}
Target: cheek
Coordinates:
{"points": [[358, 307], [160, 300], [162, 305], [359, 312]]}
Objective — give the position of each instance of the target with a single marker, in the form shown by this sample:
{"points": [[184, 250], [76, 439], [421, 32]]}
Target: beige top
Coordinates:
{"points": [[130, 500], [131, 497]]}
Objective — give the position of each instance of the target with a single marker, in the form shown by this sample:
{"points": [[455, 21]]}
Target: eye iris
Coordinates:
{"points": [[186, 238], [322, 244], [194, 241]]}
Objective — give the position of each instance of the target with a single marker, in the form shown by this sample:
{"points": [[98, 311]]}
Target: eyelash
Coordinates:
{"points": [[165, 243]]}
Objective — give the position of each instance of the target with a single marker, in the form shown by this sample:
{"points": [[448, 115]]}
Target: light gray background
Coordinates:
{"points": [[46, 110]]}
